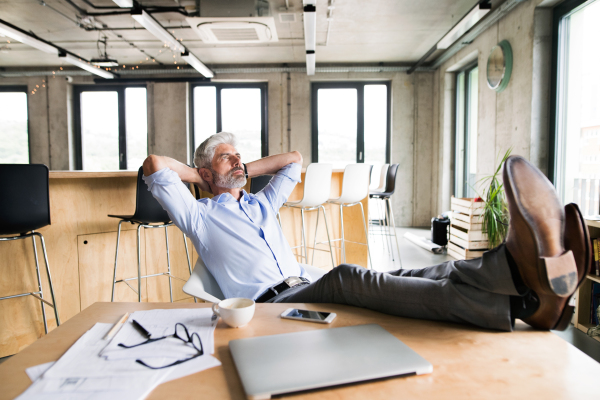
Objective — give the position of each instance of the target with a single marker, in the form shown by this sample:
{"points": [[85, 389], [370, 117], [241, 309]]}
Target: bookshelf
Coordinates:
{"points": [[584, 293]]}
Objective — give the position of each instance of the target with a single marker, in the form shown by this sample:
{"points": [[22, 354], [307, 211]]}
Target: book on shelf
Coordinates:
{"points": [[595, 302], [596, 247]]}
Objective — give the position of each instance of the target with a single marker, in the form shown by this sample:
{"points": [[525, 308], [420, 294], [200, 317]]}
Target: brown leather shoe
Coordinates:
{"points": [[535, 234], [554, 311]]}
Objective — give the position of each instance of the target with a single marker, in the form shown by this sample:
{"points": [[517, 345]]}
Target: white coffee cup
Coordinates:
{"points": [[236, 312]]}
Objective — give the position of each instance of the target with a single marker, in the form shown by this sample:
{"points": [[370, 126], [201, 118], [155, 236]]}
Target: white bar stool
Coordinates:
{"points": [[355, 187], [317, 188]]}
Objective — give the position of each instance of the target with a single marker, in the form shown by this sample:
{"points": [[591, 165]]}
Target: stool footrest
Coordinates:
{"points": [[34, 294]]}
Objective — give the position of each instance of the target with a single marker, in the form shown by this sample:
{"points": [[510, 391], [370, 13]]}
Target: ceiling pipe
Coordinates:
{"points": [[217, 71], [469, 20], [493, 17]]}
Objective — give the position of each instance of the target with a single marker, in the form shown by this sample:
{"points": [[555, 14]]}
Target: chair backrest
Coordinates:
{"points": [[25, 198], [258, 183], [317, 184], [390, 182], [355, 185], [147, 208], [382, 178], [202, 283]]}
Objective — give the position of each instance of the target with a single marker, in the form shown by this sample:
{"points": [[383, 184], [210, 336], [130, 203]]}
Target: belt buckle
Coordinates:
{"points": [[292, 281]]}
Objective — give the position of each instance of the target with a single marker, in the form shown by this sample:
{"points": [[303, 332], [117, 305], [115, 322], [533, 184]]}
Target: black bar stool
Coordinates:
{"points": [[390, 188], [25, 207], [147, 211]]}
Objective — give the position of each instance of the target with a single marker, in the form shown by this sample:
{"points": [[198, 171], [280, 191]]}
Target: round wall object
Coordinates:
{"points": [[499, 66]]}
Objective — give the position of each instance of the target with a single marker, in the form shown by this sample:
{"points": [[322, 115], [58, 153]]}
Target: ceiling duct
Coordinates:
{"points": [[235, 30], [234, 21]]}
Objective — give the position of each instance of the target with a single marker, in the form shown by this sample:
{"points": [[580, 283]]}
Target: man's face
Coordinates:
{"points": [[227, 168]]}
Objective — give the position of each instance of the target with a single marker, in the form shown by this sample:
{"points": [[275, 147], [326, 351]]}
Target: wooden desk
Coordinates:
{"points": [[468, 362]]}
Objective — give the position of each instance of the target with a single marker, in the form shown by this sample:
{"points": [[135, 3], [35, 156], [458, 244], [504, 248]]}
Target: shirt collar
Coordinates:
{"points": [[227, 197]]}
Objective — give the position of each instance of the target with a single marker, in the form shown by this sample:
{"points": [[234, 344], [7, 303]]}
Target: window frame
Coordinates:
{"points": [[467, 126], [120, 89], [24, 89], [360, 123], [560, 11], [264, 92]]}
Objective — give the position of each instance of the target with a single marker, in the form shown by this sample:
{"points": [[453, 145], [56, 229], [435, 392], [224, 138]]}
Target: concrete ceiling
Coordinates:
{"points": [[389, 31]]}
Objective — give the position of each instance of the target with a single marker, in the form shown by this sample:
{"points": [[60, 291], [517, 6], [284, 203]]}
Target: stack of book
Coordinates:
{"points": [[467, 240]]}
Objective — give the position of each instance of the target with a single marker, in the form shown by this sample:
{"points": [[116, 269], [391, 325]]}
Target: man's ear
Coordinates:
{"points": [[206, 174]]}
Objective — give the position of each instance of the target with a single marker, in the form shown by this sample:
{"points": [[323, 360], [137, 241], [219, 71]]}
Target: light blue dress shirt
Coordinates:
{"points": [[241, 243]]}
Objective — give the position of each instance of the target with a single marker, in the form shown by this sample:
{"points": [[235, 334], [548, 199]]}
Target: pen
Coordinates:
{"points": [[116, 327], [140, 328]]}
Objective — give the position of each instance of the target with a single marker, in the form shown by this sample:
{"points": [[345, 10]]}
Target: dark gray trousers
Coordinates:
{"points": [[471, 291]]}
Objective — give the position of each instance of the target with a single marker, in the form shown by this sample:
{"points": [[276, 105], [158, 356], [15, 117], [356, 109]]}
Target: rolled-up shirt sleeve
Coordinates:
{"points": [[175, 197], [281, 185]]}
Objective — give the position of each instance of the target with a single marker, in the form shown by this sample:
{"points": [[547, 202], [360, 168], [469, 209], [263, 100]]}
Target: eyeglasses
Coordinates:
{"points": [[181, 333]]}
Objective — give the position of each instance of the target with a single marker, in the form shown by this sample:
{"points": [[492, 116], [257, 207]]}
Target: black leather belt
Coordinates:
{"points": [[273, 291]]}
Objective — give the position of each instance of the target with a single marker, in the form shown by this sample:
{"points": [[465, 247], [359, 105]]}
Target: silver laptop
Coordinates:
{"points": [[295, 362]]}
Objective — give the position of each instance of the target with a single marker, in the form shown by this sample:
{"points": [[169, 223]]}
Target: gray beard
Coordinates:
{"points": [[228, 181]]}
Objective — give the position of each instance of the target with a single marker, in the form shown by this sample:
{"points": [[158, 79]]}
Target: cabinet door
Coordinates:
{"points": [[96, 265]]}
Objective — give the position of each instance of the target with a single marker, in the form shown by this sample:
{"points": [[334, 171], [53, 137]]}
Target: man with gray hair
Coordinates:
{"points": [[531, 277]]}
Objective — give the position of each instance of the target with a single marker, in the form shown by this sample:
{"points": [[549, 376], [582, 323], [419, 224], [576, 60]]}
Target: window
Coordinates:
{"points": [[14, 135], [111, 127], [576, 147], [239, 108], [351, 123], [465, 151]]}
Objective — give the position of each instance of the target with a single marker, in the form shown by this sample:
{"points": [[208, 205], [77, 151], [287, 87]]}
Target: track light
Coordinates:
{"points": [[15, 33], [197, 64], [310, 27], [310, 62], [468, 21], [85, 65], [124, 3], [157, 30]]}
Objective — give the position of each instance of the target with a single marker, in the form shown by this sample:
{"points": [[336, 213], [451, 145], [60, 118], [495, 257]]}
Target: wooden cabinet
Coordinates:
{"points": [[584, 293]]}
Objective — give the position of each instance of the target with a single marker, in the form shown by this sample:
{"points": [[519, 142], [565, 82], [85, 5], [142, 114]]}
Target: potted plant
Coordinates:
{"points": [[495, 210]]}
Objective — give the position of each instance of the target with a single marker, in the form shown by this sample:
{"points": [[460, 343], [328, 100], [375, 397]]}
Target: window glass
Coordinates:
{"points": [[100, 131], [375, 124], [241, 115], [337, 126], [472, 132], [460, 136], [578, 109], [205, 113], [136, 118], [14, 136]]}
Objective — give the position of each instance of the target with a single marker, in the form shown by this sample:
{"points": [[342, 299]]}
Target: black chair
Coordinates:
{"points": [[258, 183], [25, 207], [390, 188], [147, 211]]}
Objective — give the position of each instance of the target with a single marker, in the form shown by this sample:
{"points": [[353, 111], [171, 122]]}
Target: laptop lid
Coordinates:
{"points": [[294, 362]]}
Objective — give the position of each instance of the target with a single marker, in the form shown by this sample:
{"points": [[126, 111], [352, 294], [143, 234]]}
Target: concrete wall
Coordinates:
{"points": [[516, 117]]}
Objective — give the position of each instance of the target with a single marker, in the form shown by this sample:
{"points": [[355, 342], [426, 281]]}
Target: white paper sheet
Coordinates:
{"points": [[81, 374], [161, 323]]}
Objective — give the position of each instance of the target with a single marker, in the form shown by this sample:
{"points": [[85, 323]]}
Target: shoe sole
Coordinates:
{"points": [[556, 275]]}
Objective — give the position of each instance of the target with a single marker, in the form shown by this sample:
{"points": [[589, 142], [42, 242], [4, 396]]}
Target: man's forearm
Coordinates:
{"points": [[270, 165], [155, 163]]}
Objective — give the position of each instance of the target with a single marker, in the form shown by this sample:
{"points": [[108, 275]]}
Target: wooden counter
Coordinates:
{"points": [[81, 251]]}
